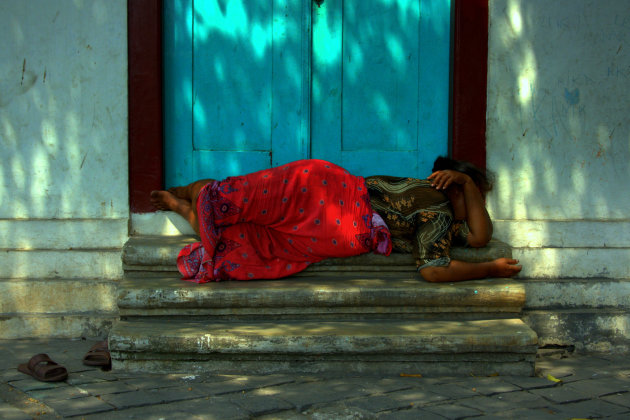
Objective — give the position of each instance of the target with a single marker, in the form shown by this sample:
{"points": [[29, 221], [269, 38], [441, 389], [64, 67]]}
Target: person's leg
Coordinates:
{"points": [[193, 192]]}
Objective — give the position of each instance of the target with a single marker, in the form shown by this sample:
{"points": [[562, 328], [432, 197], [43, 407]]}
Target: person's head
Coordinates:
{"points": [[481, 178]]}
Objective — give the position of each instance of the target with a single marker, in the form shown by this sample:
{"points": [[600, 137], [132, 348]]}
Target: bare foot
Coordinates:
{"points": [[164, 200], [180, 192]]}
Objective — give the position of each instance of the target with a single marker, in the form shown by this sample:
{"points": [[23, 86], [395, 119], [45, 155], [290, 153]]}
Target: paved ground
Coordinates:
{"points": [[590, 387]]}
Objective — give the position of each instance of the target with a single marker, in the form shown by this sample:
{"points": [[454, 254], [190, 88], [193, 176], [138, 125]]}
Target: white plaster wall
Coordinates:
{"points": [[558, 134], [63, 136]]}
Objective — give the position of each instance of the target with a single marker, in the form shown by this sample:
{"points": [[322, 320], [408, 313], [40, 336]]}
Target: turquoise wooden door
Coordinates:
{"points": [[250, 85]]}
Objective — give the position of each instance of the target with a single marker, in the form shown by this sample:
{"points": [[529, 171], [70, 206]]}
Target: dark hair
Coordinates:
{"points": [[482, 178]]}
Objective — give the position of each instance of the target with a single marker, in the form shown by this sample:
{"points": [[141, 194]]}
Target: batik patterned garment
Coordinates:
{"points": [[419, 217], [276, 222]]}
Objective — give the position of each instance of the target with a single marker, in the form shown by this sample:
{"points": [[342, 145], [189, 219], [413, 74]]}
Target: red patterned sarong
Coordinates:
{"points": [[276, 222]]}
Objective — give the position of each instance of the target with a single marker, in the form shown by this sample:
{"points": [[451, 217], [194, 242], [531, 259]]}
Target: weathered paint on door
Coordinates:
{"points": [[250, 85]]}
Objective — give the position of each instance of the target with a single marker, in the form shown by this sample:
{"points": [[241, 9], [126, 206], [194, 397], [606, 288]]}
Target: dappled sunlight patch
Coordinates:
{"points": [[230, 19], [516, 19], [62, 116], [395, 49], [524, 89], [555, 143], [326, 40]]}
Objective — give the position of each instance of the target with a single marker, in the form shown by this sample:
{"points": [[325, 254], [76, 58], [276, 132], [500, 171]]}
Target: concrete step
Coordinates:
{"points": [[366, 313], [159, 253], [479, 347], [330, 295]]}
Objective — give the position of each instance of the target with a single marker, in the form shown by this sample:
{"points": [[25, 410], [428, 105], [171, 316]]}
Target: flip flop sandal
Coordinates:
{"points": [[98, 355], [43, 368]]}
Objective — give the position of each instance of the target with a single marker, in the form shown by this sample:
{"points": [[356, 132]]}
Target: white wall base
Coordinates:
{"points": [[568, 248], [553, 263], [166, 223], [57, 307], [92, 325], [592, 315], [76, 263]]}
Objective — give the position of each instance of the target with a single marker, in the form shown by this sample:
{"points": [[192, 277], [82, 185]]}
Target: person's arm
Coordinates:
{"points": [[477, 216], [460, 270]]}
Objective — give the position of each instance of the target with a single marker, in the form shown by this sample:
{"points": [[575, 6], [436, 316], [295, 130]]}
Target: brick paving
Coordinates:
{"points": [[591, 386]]}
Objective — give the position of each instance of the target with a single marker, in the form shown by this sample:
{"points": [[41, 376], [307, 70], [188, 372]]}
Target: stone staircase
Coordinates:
{"points": [[362, 314]]}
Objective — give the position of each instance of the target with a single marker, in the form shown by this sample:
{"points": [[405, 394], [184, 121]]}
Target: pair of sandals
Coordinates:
{"points": [[43, 368]]}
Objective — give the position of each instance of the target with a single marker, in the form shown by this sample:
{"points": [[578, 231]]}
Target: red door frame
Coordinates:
{"points": [[468, 112]]}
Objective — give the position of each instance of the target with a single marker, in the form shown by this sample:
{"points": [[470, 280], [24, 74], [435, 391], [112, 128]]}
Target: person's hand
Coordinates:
{"points": [[505, 267], [441, 180]]}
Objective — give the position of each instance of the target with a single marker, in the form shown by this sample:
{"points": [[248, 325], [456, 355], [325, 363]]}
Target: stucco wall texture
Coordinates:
{"points": [[63, 109], [558, 134], [63, 137]]}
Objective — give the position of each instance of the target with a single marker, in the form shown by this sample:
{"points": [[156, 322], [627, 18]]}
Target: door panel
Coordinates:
{"points": [[381, 85], [379, 77], [177, 67], [232, 76], [232, 86], [247, 86], [239, 83]]}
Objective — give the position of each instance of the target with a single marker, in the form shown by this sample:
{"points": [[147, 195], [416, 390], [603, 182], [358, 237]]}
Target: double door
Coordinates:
{"points": [[253, 84]]}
